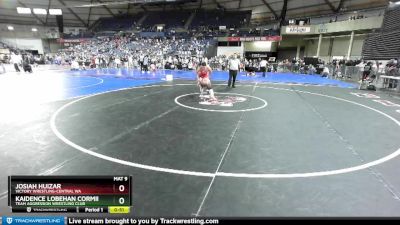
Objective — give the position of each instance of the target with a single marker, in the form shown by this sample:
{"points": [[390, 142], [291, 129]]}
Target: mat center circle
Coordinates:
{"points": [[224, 102]]}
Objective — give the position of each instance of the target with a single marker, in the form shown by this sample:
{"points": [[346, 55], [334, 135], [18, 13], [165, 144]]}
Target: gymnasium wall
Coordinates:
{"points": [[44, 40], [230, 50], [25, 43], [260, 46], [336, 46]]}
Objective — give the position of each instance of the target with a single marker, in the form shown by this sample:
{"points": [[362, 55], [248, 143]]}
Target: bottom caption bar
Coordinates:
{"points": [[139, 221], [52, 220], [109, 209]]}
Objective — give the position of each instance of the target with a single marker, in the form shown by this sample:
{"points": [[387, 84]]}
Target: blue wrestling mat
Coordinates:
{"points": [[48, 86], [291, 78]]}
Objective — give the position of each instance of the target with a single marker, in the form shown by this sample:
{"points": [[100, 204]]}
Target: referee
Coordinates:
{"points": [[233, 65]]}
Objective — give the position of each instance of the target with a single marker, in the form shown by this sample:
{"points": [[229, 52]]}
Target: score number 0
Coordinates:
{"points": [[121, 188]]}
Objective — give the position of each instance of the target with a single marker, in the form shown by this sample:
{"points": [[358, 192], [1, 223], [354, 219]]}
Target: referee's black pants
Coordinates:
{"points": [[263, 70], [16, 67], [232, 77]]}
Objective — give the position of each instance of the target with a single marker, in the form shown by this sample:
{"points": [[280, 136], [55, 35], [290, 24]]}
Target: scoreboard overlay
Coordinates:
{"points": [[75, 194]]}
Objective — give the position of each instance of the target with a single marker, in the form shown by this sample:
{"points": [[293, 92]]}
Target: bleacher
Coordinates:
{"points": [[391, 20], [169, 18], [118, 23], [175, 19], [235, 19], [221, 18], [11, 48], [383, 44]]}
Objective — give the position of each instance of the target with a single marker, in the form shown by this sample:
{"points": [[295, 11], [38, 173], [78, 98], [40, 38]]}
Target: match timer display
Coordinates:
{"points": [[61, 194]]}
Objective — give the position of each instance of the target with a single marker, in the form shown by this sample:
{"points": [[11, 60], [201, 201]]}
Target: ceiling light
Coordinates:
{"points": [[34, 29], [21, 10], [39, 11], [55, 12], [10, 28]]}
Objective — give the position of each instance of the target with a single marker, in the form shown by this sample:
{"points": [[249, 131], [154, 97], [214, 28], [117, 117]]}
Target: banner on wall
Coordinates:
{"points": [[258, 55], [268, 38], [298, 29]]}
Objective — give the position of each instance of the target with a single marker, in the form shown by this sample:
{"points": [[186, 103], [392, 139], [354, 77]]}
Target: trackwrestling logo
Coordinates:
{"points": [[33, 220]]}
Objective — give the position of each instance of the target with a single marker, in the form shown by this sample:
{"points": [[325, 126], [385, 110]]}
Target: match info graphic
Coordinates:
{"points": [[70, 194]]}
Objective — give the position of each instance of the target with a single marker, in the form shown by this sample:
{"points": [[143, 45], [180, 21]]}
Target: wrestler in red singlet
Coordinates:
{"points": [[203, 78]]}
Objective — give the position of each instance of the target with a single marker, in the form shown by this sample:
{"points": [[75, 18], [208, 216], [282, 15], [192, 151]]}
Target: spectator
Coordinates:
{"points": [[26, 66], [146, 64], [74, 65], [311, 70], [366, 71], [325, 71]]}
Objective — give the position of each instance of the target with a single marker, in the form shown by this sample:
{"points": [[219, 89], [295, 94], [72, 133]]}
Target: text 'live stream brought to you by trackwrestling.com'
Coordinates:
{"points": [[54, 220]]}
